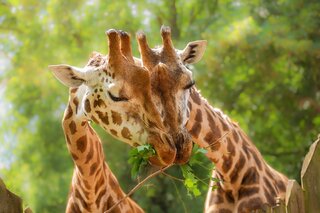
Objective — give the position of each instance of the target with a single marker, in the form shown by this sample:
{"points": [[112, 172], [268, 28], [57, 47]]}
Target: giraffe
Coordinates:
{"points": [[116, 94], [247, 181], [94, 187]]}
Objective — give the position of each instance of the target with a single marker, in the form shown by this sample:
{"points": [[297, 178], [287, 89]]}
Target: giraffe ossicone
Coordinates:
{"points": [[249, 183]]}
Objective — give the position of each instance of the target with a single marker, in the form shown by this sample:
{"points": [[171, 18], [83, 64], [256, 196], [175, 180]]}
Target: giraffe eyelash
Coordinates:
{"points": [[191, 84], [117, 99]]}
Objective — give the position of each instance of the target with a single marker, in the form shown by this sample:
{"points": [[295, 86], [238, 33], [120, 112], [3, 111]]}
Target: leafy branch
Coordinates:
{"points": [[139, 159]]}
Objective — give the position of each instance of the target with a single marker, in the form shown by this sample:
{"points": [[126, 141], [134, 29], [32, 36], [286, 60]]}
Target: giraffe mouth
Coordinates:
{"points": [[165, 149], [183, 143]]}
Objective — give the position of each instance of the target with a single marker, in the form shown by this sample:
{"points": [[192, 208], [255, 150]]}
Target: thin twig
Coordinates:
{"points": [[172, 177], [202, 180], [182, 180], [138, 186], [217, 140]]}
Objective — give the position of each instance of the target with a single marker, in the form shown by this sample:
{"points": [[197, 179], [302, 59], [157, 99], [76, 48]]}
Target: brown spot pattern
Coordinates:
{"points": [[68, 113], [195, 130], [281, 185], [93, 168], [224, 125], [229, 196], [212, 141], [99, 183], [100, 195], [80, 170], [95, 120], [245, 192], [90, 154], [113, 132], [269, 186], [268, 172], [74, 90], [246, 150], [109, 203], [230, 147], [103, 117], [87, 106], [235, 136], [250, 177], [86, 184], [83, 202], [237, 168], [82, 143], [126, 133], [269, 197], [74, 208], [214, 128], [72, 127], [74, 156], [217, 199], [198, 117], [252, 204], [99, 102], [116, 117], [227, 163], [257, 160]]}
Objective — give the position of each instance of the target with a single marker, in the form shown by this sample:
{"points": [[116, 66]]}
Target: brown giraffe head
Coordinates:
{"points": [[171, 81], [116, 94]]}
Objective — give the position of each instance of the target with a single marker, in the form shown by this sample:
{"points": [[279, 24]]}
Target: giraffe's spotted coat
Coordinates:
{"points": [[82, 143], [85, 148], [247, 181], [126, 133], [116, 118]]}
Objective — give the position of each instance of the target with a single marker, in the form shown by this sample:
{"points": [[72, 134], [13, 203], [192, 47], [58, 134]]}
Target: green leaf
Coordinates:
{"points": [[202, 151], [190, 181], [139, 158]]}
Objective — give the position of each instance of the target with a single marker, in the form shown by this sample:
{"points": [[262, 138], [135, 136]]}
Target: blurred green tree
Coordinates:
{"points": [[261, 67]]}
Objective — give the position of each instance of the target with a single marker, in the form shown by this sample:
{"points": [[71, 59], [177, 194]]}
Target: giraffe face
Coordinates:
{"points": [[116, 94], [171, 81]]}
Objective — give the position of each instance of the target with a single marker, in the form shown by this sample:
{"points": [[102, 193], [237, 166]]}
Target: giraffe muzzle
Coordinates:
{"points": [[165, 149], [183, 144]]}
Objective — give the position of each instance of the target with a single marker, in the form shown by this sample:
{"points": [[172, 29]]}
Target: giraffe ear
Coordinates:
{"points": [[193, 52], [68, 75]]}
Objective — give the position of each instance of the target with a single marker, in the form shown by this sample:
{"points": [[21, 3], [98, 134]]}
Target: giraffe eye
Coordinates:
{"points": [[117, 99], [189, 85]]}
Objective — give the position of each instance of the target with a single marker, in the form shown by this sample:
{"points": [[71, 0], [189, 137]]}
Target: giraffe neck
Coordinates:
{"points": [[83, 143], [94, 187], [237, 160]]}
